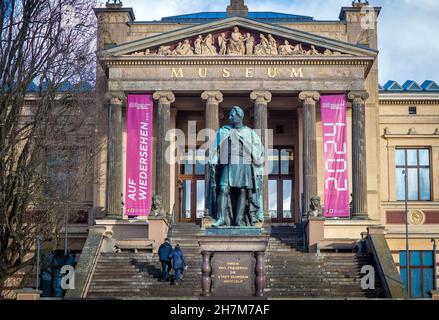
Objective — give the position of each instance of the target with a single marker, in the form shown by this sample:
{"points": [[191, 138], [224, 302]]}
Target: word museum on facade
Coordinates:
{"points": [[342, 144]]}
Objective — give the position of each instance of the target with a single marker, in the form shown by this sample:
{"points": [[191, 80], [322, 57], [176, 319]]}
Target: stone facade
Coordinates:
{"points": [[279, 92]]}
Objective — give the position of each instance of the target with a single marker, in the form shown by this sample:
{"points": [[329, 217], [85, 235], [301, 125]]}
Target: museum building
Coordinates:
{"points": [[277, 67]]}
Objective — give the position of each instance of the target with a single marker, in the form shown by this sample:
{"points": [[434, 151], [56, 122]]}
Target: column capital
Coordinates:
{"points": [[358, 97], [164, 97], [309, 97], [261, 97], [215, 97], [116, 98]]}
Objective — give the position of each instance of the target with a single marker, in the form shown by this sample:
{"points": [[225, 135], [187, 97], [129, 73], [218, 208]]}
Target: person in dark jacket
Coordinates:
{"points": [[165, 254], [179, 263]]}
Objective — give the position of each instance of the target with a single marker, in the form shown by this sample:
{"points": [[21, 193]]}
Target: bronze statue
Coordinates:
{"points": [[236, 167]]}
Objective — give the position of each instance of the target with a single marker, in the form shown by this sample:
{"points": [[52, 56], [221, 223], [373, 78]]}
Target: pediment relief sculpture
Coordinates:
{"points": [[237, 43]]}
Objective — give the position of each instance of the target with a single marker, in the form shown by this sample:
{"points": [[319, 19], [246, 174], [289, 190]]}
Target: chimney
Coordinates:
{"points": [[237, 8]]}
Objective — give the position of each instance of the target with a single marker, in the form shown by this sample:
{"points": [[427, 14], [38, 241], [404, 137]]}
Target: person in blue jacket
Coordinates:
{"points": [[178, 263], [165, 254]]}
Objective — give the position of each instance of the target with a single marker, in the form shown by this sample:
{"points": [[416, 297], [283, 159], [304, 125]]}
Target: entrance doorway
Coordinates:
{"points": [[192, 185], [281, 184]]}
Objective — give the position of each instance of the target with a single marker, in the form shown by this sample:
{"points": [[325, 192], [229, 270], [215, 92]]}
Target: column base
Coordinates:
{"points": [[360, 216]]}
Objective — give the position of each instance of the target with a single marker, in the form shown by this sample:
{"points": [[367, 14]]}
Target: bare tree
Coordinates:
{"points": [[49, 43]]}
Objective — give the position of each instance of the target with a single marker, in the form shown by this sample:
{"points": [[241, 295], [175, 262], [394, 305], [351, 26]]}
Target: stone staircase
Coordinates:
{"points": [[136, 275], [291, 273]]}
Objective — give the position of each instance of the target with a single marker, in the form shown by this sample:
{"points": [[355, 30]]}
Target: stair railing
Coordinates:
{"points": [[389, 275]]}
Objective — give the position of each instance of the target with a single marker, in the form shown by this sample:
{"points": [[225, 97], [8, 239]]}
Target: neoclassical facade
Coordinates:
{"points": [[276, 67]]}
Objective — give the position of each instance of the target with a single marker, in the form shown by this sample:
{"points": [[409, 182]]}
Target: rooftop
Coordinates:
{"points": [[428, 86], [263, 16]]}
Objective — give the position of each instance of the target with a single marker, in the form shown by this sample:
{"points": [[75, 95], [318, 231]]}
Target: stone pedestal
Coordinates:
{"points": [[154, 230], [233, 266], [28, 294], [315, 231], [157, 231]]}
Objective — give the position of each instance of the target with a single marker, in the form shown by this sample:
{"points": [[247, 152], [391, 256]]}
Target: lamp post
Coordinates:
{"points": [[434, 264], [407, 233], [37, 278]]}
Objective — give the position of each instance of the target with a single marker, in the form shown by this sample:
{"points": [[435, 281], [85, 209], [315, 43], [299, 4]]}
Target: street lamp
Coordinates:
{"points": [[37, 278], [434, 264], [407, 233]]}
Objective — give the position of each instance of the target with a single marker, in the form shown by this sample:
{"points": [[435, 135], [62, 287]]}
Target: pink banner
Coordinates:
{"points": [[139, 155], [336, 183]]}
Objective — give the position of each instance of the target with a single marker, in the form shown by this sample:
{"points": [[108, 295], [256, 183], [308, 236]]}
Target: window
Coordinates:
{"points": [[281, 184], [416, 163], [421, 272], [192, 177], [413, 110]]}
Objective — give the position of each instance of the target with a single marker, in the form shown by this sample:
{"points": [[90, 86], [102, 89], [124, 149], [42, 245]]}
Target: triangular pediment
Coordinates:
{"points": [[237, 36]]}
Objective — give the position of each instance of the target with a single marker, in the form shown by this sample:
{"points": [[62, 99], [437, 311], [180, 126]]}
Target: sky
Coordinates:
{"points": [[408, 29]]}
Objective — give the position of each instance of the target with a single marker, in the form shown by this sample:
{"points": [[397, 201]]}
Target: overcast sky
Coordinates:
{"points": [[408, 29]]}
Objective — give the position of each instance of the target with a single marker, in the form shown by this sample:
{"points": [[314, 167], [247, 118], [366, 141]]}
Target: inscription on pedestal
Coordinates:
{"points": [[233, 275]]}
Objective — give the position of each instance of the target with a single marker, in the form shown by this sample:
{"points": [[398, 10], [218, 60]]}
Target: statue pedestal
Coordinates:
{"points": [[315, 231], [157, 231], [233, 262]]}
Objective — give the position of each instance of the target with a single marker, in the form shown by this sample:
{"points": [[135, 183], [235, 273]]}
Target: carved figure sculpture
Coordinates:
{"points": [[249, 44], [263, 47], [157, 206], [208, 48], [286, 49], [313, 51], [272, 45], [222, 42], [315, 209], [198, 45], [165, 51], [236, 43]]}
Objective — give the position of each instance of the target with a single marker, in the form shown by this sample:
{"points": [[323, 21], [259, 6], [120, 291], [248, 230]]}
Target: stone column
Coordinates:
{"points": [[114, 155], [163, 168], [206, 273], [261, 100], [359, 169], [309, 100], [213, 99]]}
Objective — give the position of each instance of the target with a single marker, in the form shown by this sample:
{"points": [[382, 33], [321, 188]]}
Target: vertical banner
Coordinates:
{"points": [[335, 150], [139, 155]]}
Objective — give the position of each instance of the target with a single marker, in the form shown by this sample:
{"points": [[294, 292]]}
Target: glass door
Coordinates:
{"points": [[281, 185], [193, 185]]}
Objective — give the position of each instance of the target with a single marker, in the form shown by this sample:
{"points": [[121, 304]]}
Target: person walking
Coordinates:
{"points": [[179, 264], [165, 254]]}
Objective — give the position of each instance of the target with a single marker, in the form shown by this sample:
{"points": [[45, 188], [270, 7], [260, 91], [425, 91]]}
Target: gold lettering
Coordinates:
{"points": [[226, 73], [177, 74], [202, 72], [272, 72], [249, 72], [296, 73]]}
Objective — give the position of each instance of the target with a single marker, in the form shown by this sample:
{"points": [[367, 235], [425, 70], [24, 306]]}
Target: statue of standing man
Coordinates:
{"points": [[236, 174]]}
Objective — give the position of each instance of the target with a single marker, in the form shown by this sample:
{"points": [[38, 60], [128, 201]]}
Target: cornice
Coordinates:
{"points": [[250, 60]]}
